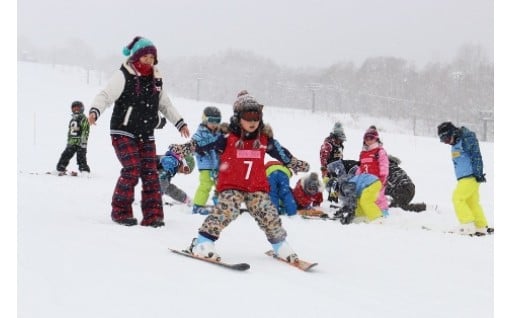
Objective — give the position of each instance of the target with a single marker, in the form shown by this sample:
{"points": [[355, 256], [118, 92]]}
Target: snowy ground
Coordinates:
{"points": [[73, 261]]}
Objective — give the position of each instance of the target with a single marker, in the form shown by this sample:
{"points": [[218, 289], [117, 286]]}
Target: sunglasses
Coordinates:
{"points": [[251, 116], [370, 138], [213, 120]]}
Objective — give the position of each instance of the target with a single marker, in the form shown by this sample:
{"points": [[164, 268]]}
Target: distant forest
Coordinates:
{"points": [[461, 91]]}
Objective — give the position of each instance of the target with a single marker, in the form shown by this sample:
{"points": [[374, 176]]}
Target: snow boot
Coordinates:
{"points": [[284, 251], [204, 247]]}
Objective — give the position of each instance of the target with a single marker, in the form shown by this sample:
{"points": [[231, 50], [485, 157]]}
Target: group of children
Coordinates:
{"points": [[230, 158]]}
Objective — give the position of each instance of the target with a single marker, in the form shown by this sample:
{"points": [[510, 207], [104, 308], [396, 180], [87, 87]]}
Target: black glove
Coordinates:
{"points": [[480, 179]]}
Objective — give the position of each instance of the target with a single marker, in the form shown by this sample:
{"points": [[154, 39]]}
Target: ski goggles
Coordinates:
{"points": [[251, 116], [213, 119]]}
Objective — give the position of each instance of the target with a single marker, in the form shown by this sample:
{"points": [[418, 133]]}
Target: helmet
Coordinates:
{"points": [[79, 104], [446, 131], [211, 114]]}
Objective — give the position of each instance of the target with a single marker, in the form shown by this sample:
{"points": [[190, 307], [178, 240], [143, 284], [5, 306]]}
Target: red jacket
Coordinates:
{"points": [[304, 200]]}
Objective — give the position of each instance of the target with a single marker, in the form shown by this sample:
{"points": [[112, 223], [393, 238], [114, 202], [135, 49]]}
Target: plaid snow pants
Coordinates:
{"points": [[138, 159]]}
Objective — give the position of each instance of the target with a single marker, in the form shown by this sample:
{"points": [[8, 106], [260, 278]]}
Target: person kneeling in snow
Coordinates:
{"points": [[280, 193], [308, 195], [168, 166], [358, 193]]}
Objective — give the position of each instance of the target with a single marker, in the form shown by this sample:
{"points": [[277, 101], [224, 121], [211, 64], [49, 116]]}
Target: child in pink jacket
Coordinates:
{"points": [[374, 160]]}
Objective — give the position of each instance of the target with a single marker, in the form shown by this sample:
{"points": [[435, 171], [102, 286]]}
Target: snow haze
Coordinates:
{"points": [[294, 33], [73, 261]]}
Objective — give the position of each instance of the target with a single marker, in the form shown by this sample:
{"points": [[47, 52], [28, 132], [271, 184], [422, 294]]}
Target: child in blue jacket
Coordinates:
{"points": [[168, 166], [207, 161]]}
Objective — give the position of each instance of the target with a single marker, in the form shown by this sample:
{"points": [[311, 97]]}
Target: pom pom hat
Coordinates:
{"points": [[139, 47], [338, 131], [371, 133]]}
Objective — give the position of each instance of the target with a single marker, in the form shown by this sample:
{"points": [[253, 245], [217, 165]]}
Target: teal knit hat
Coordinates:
{"points": [[138, 47]]}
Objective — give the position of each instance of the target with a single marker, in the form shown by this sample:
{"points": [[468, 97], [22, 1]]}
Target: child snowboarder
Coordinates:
{"points": [[169, 165], [281, 194], [78, 134], [468, 165], [242, 180], [207, 161]]}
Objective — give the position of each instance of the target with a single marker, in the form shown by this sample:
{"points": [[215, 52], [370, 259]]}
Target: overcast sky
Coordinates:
{"points": [[290, 32]]}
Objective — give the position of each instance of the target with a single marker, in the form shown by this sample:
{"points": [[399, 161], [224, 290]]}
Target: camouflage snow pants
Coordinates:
{"points": [[259, 207]]}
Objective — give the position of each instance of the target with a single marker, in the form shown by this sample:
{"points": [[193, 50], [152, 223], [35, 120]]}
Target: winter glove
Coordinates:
{"points": [[161, 123], [297, 165], [83, 145], [480, 179], [186, 169]]}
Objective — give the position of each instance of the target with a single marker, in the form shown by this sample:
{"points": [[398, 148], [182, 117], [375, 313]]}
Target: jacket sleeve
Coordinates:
{"points": [[383, 166], [325, 150], [170, 112], [471, 146], [85, 131], [108, 95], [300, 197], [275, 150]]}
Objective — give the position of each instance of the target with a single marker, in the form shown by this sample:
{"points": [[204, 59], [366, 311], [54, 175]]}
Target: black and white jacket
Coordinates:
{"points": [[137, 102]]}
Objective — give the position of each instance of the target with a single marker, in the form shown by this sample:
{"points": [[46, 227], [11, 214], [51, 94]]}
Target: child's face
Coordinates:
{"points": [[75, 109], [370, 141], [147, 59], [212, 126]]}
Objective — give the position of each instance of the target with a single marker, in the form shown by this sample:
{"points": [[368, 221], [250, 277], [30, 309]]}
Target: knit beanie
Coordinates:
{"points": [[312, 184], [139, 47], [246, 102], [338, 131], [371, 133]]}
